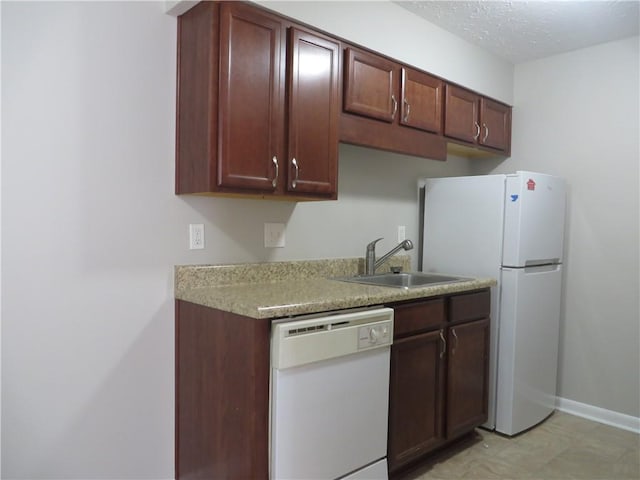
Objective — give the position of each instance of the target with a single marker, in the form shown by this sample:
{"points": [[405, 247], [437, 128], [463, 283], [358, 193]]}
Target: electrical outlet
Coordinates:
{"points": [[273, 235], [401, 233], [196, 236]]}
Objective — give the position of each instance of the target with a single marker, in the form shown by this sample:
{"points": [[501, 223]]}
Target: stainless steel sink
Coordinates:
{"points": [[404, 280]]}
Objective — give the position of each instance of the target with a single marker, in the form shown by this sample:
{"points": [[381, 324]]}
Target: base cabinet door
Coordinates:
{"points": [[416, 399], [467, 377], [439, 383]]}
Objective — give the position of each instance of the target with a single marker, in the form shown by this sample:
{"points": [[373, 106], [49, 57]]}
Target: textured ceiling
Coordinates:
{"points": [[520, 31]]}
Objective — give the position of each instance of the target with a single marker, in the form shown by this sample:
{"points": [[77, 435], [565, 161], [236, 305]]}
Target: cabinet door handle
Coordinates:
{"points": [[294, 182], [486, 132], [455, 342], [407, 111], [395, 106], [274, 182], [475, 137], [444, 344]]}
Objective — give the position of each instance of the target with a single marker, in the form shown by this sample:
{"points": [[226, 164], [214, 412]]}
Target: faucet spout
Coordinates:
{"points": [[370, 260]]}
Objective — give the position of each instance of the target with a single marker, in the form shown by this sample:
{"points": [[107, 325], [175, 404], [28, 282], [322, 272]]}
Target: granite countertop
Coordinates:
{"points": [[282, 289]]}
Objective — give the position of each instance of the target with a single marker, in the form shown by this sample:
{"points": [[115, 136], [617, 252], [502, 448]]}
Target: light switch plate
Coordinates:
{"points": [[196, 236], [274, 235]]}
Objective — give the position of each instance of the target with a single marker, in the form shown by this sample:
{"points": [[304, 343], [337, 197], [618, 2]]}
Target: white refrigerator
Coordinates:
{"points": [[509, 227]]}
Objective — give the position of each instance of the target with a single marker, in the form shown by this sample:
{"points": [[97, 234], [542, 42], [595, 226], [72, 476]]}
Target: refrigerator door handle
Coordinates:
{"points": [[541, 268], [541, 261]]}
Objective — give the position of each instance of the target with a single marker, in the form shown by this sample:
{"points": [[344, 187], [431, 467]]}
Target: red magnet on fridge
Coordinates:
{"points": [[531, 185]]}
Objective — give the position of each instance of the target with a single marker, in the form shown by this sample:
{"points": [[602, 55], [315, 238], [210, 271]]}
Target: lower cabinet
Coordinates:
{"points": [[416, 403], [439, 374], [222, 395], [467, 375], [438, 384]]}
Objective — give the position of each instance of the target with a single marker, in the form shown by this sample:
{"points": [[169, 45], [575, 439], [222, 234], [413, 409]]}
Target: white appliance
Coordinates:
{"points": [[509, 227], [330, 396]]}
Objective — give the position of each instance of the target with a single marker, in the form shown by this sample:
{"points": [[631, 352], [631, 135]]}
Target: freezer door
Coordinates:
{"points": [[534, 219], [463, 225], [528, 347]]}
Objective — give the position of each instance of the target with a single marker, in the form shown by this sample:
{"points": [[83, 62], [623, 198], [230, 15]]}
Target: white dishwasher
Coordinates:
{"points": [[330, 396]]}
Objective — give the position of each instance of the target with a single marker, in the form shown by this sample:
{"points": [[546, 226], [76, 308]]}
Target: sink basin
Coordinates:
{"points": [[404, 280]]}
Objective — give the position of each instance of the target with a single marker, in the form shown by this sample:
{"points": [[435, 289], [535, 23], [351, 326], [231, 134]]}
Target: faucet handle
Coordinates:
{"points": [[372, 245]]}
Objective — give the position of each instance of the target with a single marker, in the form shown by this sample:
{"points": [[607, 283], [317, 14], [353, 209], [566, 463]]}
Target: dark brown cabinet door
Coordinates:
{"points": [[251, 98], [467, 376], [477, 120], [421, 101], [415, 397], [370, 86], [495, 120], [314, 108], [461, 114]]}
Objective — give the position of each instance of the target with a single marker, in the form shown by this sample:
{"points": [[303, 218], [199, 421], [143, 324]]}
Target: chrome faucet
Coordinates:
{"points": [[370, 263]]}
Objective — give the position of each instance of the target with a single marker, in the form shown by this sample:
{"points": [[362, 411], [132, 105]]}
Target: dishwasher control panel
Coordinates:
{"points": [[308, 340], [375, 334]]}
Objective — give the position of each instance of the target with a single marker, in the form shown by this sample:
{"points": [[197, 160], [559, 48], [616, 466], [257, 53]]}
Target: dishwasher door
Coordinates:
{"points": [[329, 416]]}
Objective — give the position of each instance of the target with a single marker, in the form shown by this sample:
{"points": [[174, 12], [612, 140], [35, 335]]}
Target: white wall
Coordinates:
{"points": [[577, 115], [0, 257], [91, 228]]}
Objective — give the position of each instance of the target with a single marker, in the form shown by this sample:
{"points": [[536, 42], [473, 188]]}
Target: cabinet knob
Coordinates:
{"points": [[274, 182], [294, 182], [444, 344], [395, 106]]}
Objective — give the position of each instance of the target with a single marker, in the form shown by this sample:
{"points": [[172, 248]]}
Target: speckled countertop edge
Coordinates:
{"points": [[282, 289]]}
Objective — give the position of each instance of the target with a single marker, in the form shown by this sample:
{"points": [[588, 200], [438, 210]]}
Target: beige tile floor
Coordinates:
{"points": [[562, 447]]}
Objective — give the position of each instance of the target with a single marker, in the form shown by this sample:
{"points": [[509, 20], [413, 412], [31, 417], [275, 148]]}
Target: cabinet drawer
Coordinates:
{"points": [[416, 317], [470, 306]]}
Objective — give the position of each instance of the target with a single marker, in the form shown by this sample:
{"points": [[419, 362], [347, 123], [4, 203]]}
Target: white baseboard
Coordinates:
{"points": [[597, 414]]}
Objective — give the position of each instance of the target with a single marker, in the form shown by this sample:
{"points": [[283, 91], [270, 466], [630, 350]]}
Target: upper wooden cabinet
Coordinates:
{"points": [[263, 102], [496, 125], [391, 106], [258, 105], [313, 111], [379, 88], [250, 130], [461, 114], [383, 97], [421, 105], [476, 120], [370, 85]]}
